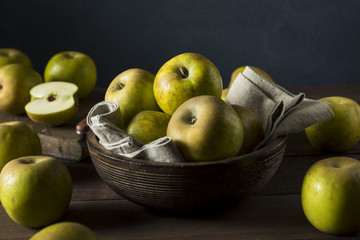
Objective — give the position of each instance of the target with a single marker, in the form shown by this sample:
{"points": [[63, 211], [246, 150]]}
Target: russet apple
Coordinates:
{"points": [[16, 80], [65, 231], [342, 131], [183, 77], [53, 103], [133, 91], [253, 131], [17, 139], [206, 128], [35, 191], [330, 195], [148, 126], [242, 68], [74, 67], [11, 55]]}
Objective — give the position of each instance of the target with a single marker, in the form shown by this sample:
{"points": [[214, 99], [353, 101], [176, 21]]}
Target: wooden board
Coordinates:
{"points": [[62, 141]]}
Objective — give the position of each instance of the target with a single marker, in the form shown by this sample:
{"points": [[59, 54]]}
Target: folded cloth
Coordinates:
{"points": [[103, 119], [280, 112]]}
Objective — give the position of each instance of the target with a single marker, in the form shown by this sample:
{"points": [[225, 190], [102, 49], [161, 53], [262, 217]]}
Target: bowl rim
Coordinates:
{"points": [[278, 143]]}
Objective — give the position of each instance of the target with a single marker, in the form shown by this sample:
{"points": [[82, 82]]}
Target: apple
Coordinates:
{"points": [[65, 231], [17, 139], [35, 191], [206, 128], [224, 93], [342, 131], [74, 67], [330, 195], [133, 91], [16, 80], [183, 77], [148, 126], [241, 69], [11, 55], [253, 131], [53, 103]]}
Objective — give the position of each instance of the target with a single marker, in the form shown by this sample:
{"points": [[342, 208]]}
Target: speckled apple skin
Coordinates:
{"points": [[11, 55], [171, 88], [342, 131]]}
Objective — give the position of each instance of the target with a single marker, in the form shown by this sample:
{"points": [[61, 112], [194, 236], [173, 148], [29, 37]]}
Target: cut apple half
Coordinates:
{"points": [[53, 103]]}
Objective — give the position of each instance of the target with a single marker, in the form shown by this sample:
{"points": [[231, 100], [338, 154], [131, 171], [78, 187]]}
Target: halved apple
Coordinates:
{"points": [[53, 103]]}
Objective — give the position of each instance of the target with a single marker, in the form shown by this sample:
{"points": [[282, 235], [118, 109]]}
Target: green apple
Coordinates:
{"points": [[11, 55], [242, 68], [65, 231], [35, 191], [253, 131], [183, 77], [53, 103], [224, 93], [17, 139], [16, 80], [330, 195], [206, 128], [74, 67], [133, 91], [148, 125], [342, 131]]}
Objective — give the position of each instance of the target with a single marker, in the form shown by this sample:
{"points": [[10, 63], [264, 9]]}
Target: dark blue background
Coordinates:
{"points": [[297, 42]]}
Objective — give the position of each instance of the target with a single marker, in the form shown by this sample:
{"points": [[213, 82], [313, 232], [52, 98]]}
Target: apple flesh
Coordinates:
{"points": [[183, 77], [74, 67], [16, 80], [53, 103], [148, 126], [65, 231], [206, 128], [342, 131], [133, 91], [11, 55], [35, 191], [242, 68], [253, 131], [330, 195], [17, 139]]}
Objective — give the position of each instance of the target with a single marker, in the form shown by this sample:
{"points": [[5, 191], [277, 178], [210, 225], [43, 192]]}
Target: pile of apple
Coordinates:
{"points": [[68, 77], [183, 101]]}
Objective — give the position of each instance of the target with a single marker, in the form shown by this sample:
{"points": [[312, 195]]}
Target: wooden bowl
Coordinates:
{"points": [[188, 185]]}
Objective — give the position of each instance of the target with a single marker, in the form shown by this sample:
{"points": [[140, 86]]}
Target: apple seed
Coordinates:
{"points": [[52, 97]]}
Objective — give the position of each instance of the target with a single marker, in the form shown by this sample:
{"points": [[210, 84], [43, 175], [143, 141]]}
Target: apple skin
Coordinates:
{"points": [[17, 139], [35, 191], [53, 103], [133, 91], [65, 231], [242, 68], [183, 77], [148, 126], [330, 195], [224, 93], [11, 55], [16, 80], [342, 131], [253, 131], [74, 67], [206, 128]]}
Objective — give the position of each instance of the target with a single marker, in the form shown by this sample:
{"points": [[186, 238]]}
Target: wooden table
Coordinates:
{"points": [[273, 213]]}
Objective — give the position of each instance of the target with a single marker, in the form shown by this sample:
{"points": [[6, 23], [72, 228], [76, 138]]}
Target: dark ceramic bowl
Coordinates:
{"points": [[189, 185]]}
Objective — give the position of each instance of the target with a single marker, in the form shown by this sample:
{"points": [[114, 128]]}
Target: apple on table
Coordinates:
{"points": [[11, 55], [35, 191], [330, 195], [74, 67]]}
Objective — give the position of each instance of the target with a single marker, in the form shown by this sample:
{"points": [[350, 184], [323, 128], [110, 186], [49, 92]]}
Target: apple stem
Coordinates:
{"points": [[184, 72], [1, 86]]}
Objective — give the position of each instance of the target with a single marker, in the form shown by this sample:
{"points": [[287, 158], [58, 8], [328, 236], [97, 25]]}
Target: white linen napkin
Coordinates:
{"points": [[280, 112]]}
